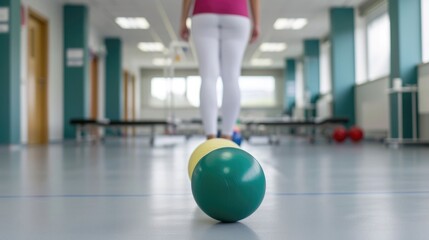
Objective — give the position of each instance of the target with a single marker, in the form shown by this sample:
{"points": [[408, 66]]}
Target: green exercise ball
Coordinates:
{"points": [[228, 184]]}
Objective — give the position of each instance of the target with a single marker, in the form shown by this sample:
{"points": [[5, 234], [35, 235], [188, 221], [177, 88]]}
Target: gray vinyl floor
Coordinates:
{"points": [[125, 189]]}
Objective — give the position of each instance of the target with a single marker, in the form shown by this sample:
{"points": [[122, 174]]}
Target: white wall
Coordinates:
{"points": [[372, 106], [424, 89], [147, 112], [423, 84], [52, 11], [324, 106], [300, 85], [299, 111]]}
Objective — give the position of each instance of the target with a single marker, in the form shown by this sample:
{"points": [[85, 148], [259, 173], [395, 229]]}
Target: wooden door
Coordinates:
{"points": [[94, 87], [37, 91], [126, 92], [133, 97], [133, 102]]}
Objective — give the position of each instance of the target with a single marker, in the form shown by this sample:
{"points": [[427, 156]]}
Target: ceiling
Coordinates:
{"points": [[164, 15]]}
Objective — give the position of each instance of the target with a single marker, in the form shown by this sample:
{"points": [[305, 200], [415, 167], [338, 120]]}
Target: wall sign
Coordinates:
{"points": [[4, 27], [4, 14], [75, 57]]}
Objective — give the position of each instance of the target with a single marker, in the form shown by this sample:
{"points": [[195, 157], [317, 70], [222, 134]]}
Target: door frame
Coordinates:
{"points": [[33, 14], [133, 97], [126, 93]]}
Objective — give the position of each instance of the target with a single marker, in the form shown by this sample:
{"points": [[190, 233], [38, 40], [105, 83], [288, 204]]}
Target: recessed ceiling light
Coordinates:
{"points": [[273, 47], [262, 62], [290, 23], [151, 46], [161, 62], [132, 23]]}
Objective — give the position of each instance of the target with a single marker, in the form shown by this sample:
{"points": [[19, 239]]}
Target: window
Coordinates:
{"points": [[378, 46], [360, 50], [163, 90], [425, 30], [325, 68], [193, 91], [256, 91], [300, 85]]}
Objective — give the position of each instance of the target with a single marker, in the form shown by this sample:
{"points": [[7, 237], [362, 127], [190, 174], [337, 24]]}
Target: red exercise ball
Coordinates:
{"points": [[340, 134], [356, 134]]}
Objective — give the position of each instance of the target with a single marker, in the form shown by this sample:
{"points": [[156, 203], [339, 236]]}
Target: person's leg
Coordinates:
{"points": [[235, 32], [205, 34]]}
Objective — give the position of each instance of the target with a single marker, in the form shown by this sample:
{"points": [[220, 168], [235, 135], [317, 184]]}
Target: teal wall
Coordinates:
{"points": [[76, 78], [10, 44], [312, 68], [113, 75], [406, 55], [343, 62], [312, 73], [290, 85]]}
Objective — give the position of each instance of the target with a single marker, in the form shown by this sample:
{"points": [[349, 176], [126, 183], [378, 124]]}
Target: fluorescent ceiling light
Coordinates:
{"points": [[132, 23], [273, 47], [290, 23], [189, 23], [161, 62], [151, 46], [262, 62]]}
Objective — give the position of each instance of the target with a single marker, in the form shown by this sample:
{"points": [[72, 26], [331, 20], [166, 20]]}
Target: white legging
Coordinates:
{"points": [[220, 42]]}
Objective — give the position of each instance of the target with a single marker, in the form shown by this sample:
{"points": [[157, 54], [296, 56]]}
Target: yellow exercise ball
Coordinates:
{"points": [[205, 148]]}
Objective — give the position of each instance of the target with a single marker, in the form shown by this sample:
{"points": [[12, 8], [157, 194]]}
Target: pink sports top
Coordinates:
{"points": [[234, 7]]}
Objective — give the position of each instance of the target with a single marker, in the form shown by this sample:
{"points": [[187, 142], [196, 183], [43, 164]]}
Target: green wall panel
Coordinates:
{"points": [[10, 44], [290, 85], [312, 68], [406, 55], [343, 62], [76, 69], [113, 91]]}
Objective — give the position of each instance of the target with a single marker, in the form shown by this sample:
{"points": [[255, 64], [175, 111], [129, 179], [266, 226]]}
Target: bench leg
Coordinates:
{"points": [[152, 136], [78, 133]]}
